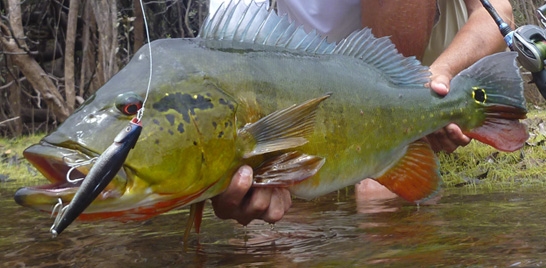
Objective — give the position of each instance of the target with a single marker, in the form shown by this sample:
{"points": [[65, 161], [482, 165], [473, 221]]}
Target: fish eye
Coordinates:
{"points": [[128, 103]]}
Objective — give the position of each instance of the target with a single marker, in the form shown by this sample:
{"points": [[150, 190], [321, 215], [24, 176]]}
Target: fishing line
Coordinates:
{"points": [[140, 112], [114, 150]]}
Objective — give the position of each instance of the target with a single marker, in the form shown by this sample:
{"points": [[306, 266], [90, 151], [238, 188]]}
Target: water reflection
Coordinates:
{"points": [[465, 228]]}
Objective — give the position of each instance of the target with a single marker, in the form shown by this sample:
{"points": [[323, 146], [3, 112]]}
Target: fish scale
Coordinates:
{"points": [[307, 115]]}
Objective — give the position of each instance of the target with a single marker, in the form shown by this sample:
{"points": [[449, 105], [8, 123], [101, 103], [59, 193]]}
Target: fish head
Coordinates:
{"points": [[185, 153]]}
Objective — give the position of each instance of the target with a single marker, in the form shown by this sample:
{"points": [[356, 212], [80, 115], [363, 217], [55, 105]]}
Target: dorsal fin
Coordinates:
{"points": [[382, 54], [238, 26], [252, 27]]}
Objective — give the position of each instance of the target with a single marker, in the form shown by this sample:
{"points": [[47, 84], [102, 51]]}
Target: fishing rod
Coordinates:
{"points": [[529, 41]]}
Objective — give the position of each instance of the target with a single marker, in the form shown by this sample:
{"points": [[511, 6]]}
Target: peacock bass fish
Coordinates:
{"points": [[255, 89]]}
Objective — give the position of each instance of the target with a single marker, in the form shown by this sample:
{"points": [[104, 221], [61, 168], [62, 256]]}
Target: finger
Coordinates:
{"points": [[226, 204], [280, 203], [255, 206], [455, 134], [239, 186], [433, 141], [439, 87], [287, 197], [448, 139], [448, 146], [440, 84], [439, 141], [259, 202]]}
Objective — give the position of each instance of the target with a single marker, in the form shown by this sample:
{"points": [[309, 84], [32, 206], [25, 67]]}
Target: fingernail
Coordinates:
{"points": [[443, 87], [440, 88], [245, 171]]}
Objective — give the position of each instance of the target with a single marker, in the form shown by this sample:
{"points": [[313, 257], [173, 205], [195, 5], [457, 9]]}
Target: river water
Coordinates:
{"points": [[468, 227]]}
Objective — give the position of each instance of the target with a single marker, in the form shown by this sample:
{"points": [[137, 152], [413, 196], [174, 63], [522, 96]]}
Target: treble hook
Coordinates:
{"points": [[100, 175]]}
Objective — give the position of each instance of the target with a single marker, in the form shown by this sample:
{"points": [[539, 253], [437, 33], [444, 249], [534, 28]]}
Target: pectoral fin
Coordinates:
{"points": [[281, 130], [415, 177], [286, 169]]}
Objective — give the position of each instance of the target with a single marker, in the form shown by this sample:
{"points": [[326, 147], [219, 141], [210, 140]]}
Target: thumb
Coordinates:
{"points": [[440, 84]]}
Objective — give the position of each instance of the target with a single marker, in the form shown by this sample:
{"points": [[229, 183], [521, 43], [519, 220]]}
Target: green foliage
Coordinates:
{"points": [[15, 171], [479, 165]]}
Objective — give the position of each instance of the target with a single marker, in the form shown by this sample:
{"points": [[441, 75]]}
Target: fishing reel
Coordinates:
{"points": [[529, 41]]}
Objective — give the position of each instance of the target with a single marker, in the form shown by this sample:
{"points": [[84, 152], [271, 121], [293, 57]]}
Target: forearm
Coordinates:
{"points": [[479, 37]]}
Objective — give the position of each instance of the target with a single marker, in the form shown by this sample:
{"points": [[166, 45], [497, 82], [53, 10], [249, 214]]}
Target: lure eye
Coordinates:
{"points": [[128, 103]]}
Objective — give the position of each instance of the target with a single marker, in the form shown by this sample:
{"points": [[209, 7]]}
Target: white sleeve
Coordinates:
{"points": [[215, 4], [335, 19]]}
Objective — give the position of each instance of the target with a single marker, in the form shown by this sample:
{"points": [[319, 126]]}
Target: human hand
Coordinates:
{"points": [[451, 136], [244, 204]]}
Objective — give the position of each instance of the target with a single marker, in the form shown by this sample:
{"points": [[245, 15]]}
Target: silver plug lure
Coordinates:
{"points": [[101, 174], [107, 165]]}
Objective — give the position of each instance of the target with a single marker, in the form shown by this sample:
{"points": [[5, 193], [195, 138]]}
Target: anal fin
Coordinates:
{"points": [[415, 177], [280, 130], [194, 219], [287, 169]]}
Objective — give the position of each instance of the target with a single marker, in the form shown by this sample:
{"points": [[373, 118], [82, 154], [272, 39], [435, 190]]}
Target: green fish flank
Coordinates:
{"points": [[305, 114]]}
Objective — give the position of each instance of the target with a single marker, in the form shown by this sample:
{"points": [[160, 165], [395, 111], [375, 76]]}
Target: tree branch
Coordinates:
{"points": [[69, 71], [35, 75]]}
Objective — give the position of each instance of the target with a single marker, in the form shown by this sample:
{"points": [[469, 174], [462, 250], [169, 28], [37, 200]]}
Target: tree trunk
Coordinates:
{"points": [[106, 17], [89, 80], [15, 46], [14, 103], [69, 72], [10, 107], [138, 23]]}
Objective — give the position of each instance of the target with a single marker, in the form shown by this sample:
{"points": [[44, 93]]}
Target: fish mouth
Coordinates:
{"points": [[65, 168]]}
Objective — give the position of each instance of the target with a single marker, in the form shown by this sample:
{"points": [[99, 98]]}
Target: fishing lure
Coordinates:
{"points": [[101, 174], [107, 165]]}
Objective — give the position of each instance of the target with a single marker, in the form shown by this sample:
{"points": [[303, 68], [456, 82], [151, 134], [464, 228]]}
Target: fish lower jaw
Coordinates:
{"points": [[66, 169]]}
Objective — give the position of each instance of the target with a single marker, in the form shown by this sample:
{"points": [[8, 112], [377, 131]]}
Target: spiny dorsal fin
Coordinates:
{"points": [[281, 130], [238, 26], [382, 54]]}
